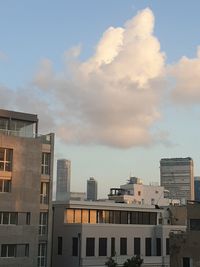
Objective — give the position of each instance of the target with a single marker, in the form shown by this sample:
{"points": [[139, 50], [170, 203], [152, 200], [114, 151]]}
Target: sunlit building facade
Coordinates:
{"points": [[26, 168]]}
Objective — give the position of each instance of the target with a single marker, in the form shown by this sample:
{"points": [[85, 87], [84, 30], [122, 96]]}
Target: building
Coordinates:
{"points": [[26, 168], [91, 189], [197, 188], [86, 233], [63, 179], [80, 196], [184, 246], [176, 175], [137, 193]]}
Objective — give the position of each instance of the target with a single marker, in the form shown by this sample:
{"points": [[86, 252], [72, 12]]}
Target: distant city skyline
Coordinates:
{"points": [[117, 81]]}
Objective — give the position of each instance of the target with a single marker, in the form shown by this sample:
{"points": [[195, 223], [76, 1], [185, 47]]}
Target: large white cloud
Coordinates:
{"points": [[113, 97]]}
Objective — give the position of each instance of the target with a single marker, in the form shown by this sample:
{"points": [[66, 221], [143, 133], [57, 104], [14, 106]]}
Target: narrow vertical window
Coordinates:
{"points": [[123, 246], [147, 246], [158, 246], [75, 246], [60, 244], [167, 246], [186, 262], [43, 224], [90, 246], [46, 160], [137, 246], [102, 246], [112, 247]]}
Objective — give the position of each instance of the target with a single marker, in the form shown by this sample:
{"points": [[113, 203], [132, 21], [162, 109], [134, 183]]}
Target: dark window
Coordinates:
{"points": [[28, 218], [46, 160], [186, 262], [153, 218], [195, 224], [5, 186], [9, 218], [136, 246], [134, 217], [112, 246], [102, 246], [158, 246], [147, 246], [167, 246], [60, 245], [22, 250], [6, 159], [123, 246], [8, 250], [75, 246], [124, 217], [146, 218], [90, 246], [117, 217]]}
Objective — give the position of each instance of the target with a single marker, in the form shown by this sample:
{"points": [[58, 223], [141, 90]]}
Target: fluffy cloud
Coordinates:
{"points": [[186, 75], [113, 97]]}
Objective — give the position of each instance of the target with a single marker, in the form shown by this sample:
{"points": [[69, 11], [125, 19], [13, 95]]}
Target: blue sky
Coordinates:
{"points": [[32, 31]]}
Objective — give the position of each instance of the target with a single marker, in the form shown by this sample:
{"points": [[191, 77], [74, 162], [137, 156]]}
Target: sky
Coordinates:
{"points": [[118, 82]]}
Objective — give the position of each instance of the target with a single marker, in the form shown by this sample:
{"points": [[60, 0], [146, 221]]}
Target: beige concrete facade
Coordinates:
{"points": [[21, 205]]}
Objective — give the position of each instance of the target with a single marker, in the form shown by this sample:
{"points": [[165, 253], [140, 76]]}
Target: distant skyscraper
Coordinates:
{"points": [[91, 189], [197, 188], [63, 179], [176, 175]]}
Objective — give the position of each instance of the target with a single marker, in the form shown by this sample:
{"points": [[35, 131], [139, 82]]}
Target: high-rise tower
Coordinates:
{"points": [[63, 179], [91, 189], [176, 175]]}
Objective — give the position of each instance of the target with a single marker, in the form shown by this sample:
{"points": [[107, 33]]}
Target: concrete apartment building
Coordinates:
{"points": [[63, 179], [86, 233], [176, 175], [184, 246], [92, 189], [26, 169]]}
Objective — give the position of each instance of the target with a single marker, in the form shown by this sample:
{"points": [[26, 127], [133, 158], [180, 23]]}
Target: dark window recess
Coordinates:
{"points": [[60, 244], [167, 246], [75, 246], [158, 246], [102, 246], [6, 159], [90, 246], [136, 246], [186, 262], [112, 246], [147, 246], [123, 246], [46, 161], [195, 224]]}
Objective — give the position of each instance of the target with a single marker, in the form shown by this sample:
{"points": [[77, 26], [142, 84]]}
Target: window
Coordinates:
{"points": [[158, 246], [44, 193], [8, 250], [75, 246], [124, 217], [6, 159], [147, 246], [90, 246], [102, 246], [139, 193], [5, 186], [137, 246], [9, 218], [167, 246], [22, 250], [123, 246], [195, 224], [28, 218], [59, 245], [42, 254], [186, 262], [43, 225], [46, 161], [113, 247]]}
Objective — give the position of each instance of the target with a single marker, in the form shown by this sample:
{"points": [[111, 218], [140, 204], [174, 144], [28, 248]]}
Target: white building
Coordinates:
{"points": [[63, 179], [138, 193], [91, 189], [87, 233], [176, 175]]}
